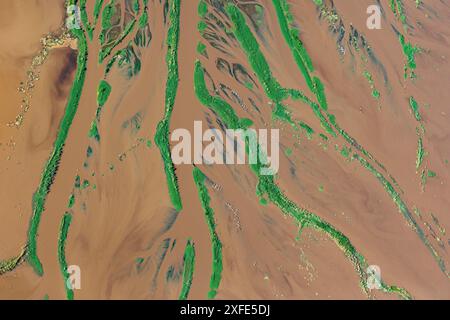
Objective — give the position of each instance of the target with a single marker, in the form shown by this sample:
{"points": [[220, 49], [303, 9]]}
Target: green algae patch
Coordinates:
{"points": [[420, 153], [415, 108], [64, 230], [307, 129], [201, 48], [320, 93], [288, 152], [205, 199], [201, 26], [376, 94], [249, 85], [202, 8], [93, 131], [345, 152], [323, 137], [188, 269], [71, 201], [51, 167], [162, 130], [85, 184], [409, 51], [103, 92], [143, 20], [136, 6], [431, 174]]}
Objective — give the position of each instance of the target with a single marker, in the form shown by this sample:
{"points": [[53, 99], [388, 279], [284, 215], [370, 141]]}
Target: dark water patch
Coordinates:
{"points": [[65, 74]]}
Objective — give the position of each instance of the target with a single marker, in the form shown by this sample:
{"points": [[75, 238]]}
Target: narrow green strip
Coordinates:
{"points": [[162, 130], [420, 153], [188, 269], [217, 266], [65, 224], [291, 36], [85, 19], [415, 108], [97, 8]]}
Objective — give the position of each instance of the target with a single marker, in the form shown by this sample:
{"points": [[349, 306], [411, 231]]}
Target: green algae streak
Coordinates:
{"points": [[162, 130], [420, 153], [64, 229], [205, 199], [188, 269], [51, 166], [85, 19], [415, 108]]}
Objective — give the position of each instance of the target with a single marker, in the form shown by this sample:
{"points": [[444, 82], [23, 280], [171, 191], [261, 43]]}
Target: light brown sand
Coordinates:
{"points": [[126, 217]]}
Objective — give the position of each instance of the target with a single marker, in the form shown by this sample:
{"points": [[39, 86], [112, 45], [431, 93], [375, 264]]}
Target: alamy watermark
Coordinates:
{"points": [[73, 20], [74, 280], [374, 20], [231, 149], [373, 277]]}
